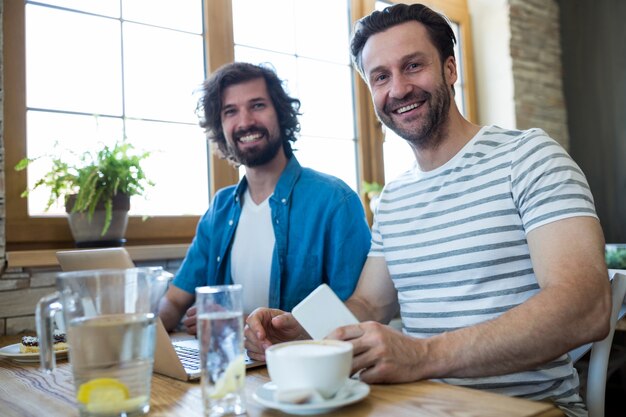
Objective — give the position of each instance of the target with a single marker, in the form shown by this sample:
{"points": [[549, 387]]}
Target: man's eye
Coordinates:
{"points": [[228, 112], [259, 106], [413, 66], [380, 78]]}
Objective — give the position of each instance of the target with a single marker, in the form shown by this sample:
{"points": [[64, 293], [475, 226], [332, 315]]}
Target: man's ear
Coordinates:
{"points": [[449, 70]]}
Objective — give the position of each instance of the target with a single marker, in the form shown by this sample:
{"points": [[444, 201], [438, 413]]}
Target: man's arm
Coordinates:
{"points": [[173, 306], [572, 308], [375, 297]]}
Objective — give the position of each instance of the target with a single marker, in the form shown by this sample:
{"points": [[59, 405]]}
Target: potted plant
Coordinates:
{"points": [[615, 255], [96, 191], [372, 190]]}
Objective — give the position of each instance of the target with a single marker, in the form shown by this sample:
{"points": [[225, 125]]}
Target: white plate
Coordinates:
{"points": [[13, 352], [264, 395]]}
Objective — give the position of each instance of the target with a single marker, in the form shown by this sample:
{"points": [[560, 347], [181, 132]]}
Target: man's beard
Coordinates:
{"points": [[428, 133], [257, 156]]}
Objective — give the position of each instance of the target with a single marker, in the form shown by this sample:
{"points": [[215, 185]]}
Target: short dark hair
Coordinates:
{"points": [[209, 107], [437, 25]]}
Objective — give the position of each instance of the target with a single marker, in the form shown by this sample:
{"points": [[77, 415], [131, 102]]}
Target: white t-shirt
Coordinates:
{"points": [[251, 254]]}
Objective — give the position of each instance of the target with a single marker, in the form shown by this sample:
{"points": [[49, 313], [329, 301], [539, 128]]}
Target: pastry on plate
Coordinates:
{"points": [[30, 344]]}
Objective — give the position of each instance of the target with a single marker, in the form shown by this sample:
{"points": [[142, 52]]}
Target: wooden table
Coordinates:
{"points": [[25, 391]]}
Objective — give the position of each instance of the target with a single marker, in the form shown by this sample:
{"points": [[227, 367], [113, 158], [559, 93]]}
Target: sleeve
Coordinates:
{"points": [[377, 242], [546, 183], [193, 271], [348, 247]]}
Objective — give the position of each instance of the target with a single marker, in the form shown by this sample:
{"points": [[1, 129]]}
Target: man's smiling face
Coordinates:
{"points": [[409, 85], [250, 123]]}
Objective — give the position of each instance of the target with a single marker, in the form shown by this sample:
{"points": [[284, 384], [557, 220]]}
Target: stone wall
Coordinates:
{"points": [[537, 69], [21, 289]]}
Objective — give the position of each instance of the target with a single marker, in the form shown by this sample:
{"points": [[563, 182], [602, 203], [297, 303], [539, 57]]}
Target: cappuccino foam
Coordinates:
{"points": [[309, 350]]}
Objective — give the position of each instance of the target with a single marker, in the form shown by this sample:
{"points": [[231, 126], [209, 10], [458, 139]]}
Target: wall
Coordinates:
{"points": [[594, 57], [518, 65], [21, 289], [537, 70]]}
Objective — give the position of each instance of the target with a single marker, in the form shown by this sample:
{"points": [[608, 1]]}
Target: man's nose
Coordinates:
{"points": [[246, 120], [400, 87]]}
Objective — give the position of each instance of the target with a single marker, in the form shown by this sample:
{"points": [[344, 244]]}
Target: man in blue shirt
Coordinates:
{"points": [[284, 229]]}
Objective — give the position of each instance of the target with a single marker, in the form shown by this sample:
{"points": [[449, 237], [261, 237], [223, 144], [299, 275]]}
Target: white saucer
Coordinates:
{"points": [[13, 352], [264, 395]]}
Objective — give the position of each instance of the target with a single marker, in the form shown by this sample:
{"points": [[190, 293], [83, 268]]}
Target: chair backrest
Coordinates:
{"points": [[78, 260], [600, 351]]}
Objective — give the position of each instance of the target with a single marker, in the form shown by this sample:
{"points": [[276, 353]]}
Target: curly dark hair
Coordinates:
{"points": [[437, 25], [209, 105]]}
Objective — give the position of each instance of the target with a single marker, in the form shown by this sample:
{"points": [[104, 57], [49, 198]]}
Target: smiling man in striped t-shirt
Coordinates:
{"points": [[489, 247]]}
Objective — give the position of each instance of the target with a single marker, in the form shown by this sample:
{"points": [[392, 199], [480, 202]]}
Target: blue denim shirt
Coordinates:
{"points": [[321, 232]]}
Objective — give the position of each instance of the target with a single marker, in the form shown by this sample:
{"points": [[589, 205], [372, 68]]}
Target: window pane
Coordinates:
{"points": [[182, 15], [45, 129], [71, 72], [332, 156], [459, 96], [267, 24], [397, 154], [330, 43], [326, 94], [162, 70], [177, 165], [102, 7], [178, 157], [285, 65]]}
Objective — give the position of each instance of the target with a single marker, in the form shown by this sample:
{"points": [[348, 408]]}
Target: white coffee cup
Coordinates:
{"points": [[320, 365]]}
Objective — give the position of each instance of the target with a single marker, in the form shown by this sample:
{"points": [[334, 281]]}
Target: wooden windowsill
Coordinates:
{"points": [[47, 257]]}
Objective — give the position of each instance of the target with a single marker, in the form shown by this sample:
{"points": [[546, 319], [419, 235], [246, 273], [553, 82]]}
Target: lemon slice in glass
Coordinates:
{"points": [[128, 406], [102, 391], [231, 380]]}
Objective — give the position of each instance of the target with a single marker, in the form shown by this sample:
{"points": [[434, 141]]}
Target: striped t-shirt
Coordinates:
{"points": [[454, 240]]}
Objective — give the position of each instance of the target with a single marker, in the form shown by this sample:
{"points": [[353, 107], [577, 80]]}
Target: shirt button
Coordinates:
{"points": [[230, 222], [277, 221], [219, 258], [237, 198], [284, 201]]}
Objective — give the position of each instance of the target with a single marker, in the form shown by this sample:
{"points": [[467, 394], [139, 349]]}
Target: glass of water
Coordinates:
{"points": [[220, 331]]}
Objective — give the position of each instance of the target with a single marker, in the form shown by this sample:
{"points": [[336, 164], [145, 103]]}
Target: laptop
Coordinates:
{"points": [[79, 260], [179, 358]]}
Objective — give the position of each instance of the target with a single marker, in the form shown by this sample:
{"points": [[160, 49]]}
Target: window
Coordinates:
{"points": [[80, 72], [130, 74]]}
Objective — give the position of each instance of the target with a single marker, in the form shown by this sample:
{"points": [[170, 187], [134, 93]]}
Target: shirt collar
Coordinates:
{"points": [[284, 187]]}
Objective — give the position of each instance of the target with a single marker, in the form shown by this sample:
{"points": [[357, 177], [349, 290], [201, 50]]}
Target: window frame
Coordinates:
{"points": [[32, 232]]}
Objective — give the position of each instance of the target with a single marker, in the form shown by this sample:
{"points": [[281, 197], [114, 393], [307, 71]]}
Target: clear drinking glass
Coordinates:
{"points": [[220, 331], [110, 318]]}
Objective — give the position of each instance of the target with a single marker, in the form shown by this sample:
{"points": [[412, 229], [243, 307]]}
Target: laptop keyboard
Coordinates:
{"points": [[189, 357]]}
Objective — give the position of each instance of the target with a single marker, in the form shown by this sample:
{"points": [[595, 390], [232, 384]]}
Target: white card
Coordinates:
{"points": [[321, 312]]}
